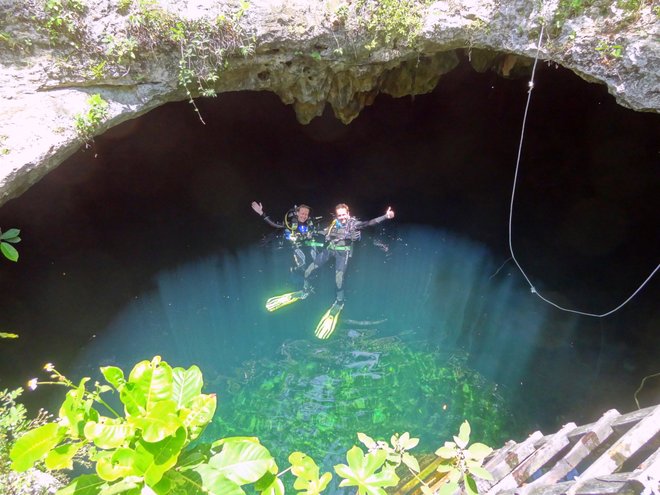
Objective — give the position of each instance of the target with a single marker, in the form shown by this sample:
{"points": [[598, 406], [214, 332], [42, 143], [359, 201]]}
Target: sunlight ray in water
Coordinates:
{"points": [[427, 338]]}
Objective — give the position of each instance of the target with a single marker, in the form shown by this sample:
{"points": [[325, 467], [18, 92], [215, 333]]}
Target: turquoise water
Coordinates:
{"points": [[430, 335]]}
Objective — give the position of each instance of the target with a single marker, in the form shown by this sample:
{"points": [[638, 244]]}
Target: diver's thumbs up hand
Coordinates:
{"points": [[389, 213]]}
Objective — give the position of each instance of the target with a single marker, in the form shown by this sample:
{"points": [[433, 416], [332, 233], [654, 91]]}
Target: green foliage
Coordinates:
{"points": [[609, 51], [63, 18], [369, 473], [14, 424], [390, 22], [7, 239], [387, 386], [458, 461], [87, 123], [151, 448]]}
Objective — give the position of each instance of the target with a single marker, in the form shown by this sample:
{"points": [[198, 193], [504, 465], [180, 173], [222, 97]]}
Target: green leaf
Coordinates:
{"points": [[470, 485], [410, 461], [186, 385], [448, 488], [242, 461], [9, 234], [368, 442], [362, 471], [199, 414], [112, 465], [479, 451], [154, 459], [464, 434], [159, 422], [9, 251], [114, 376], [61, 457], [154, 381], [133, 399], [123, 487], [109, 433], [34, 445], [481, 472], [87, 484], [446, 452], [4, 335], [205, 478]]}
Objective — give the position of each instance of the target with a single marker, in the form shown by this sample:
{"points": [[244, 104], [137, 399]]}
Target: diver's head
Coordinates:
{"points": [[302, 213], [342, 213]]}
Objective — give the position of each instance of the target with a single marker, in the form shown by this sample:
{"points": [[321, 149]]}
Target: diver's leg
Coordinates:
{"points": [[341, 263], [320, 260]]}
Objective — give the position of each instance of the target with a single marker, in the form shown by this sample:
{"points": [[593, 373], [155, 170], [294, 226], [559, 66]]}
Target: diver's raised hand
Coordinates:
{"points": [[389, 213], [258, 208]]}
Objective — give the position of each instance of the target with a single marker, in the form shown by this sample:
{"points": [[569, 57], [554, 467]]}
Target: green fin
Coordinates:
{"points": [[277, 302], [328, 322]]}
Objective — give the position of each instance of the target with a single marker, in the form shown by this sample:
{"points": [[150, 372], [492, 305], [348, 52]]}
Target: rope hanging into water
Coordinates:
{"points": [[513, 193]]}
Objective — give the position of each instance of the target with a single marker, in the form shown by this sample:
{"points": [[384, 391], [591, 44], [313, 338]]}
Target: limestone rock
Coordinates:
{"points": [[309, 52]]}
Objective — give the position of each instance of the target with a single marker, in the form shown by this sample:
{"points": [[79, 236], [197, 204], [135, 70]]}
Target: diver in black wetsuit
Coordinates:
{"points": [[299, 230], [339, 237]]}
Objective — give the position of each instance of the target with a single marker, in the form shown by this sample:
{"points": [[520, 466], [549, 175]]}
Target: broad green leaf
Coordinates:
{"points": [[34, 445], [303, 466], [464, 434], [446, 452], [113, 465], [114, 376], [211, 480], [269, 484], [5, 335], [123, 487], [109, 433], [366, 440], [159, 422], [410, 461], [411, 443], [9, 251], [154, 380], [154, 459], [133, 399], [445, 468], [87, 484], [186, 385], [61, 457], [470, 485], [199, 414], [481, 472], [479, 451], [448, 488], [362, 471], [9, 234], [242, 461]]}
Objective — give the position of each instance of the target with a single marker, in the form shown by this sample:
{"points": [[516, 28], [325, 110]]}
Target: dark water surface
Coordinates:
{"points": [[146, 244]]}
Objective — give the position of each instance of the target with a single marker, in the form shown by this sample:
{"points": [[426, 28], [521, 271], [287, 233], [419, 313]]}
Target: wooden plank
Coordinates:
{"points": [[622, 449], [588, 442], [622, 424], [505, 460], [535, 461], [613, 484], [648, 473]]}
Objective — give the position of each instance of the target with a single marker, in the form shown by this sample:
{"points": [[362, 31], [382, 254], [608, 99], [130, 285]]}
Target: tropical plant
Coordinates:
{"points": [[89, 121], [153, 446], [13, 424], [7, 238], [459, 461]]}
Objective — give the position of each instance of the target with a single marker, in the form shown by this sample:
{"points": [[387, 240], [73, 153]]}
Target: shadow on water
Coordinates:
{"points": [[428, 337]]}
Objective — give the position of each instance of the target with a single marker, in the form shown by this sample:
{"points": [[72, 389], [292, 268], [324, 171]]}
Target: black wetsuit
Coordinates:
{"points": [[339, 243], [301, 237]]}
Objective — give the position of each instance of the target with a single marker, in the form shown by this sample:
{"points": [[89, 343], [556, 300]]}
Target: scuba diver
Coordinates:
{"points": [[299, 231], [340, 236]]}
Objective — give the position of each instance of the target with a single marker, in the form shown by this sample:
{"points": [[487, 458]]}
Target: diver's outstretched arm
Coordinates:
{"points": [[259, 209]]}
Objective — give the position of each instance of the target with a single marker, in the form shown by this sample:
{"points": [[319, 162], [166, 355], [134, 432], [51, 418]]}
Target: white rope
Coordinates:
{"points": [[513, 193]]}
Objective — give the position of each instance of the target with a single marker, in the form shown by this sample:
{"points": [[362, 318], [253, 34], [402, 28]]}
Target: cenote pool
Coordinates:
{"points": [[430, 336]]}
